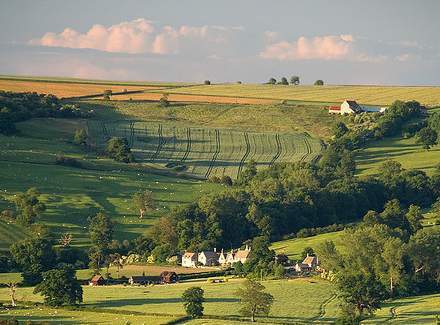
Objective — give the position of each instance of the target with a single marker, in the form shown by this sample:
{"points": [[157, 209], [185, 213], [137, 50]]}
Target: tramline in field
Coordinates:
{"points": [[205, 152]]}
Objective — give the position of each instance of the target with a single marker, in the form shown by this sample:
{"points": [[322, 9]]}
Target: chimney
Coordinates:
{"points": [[215, 249]]}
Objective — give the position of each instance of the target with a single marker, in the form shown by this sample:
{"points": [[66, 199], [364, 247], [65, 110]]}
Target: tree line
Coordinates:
{"points": [[16, 107]]}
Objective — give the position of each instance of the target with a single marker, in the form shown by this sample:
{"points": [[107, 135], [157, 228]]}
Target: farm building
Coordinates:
{"points": [[189, 259], [139, 280], [222, 258], [208, 258], [310, 263], [240, 255], [168, 277], [352, 107], [97, 280]]}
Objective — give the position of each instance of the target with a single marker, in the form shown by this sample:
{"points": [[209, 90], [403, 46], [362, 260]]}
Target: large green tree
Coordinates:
{"points": [[193, 301], [28, 205], [60, 287], [254, 301], [34, 256], [101, 230], [143, 201], [427, 137], [119, 150]]}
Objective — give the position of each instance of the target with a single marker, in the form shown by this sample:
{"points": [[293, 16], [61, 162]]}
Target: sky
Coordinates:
{"points": [[392, 42]]}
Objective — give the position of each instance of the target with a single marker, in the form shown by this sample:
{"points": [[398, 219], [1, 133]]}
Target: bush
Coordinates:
{"points": [[7, 215], [207, 82], [67, 161], [163, 101]]}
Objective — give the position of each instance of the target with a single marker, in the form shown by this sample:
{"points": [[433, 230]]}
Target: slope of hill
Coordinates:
{"points": [[374, 95], [73, 194]]}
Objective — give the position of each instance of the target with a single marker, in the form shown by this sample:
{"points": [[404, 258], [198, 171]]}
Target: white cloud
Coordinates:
{"points": [[403, 57], [139, 36], [326, 47]]}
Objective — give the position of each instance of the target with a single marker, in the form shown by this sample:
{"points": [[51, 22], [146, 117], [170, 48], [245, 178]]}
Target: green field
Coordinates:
{"points": [[294, 247], [296, 301], [314, 120], [206, 152], [73, 194], [374, 95], [405, 151]]}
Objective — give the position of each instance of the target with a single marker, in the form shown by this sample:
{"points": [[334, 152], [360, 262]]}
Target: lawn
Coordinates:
{"points": [[374, 95], [73, 194], [294, 247], [405, 151], [298, 300]]}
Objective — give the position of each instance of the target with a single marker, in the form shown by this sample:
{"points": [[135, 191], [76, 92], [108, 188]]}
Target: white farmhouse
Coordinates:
{"points": [[208, 258], [189, 259], [352, 107]]}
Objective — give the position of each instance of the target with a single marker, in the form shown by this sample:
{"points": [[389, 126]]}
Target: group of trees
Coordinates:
{"points": [[428, 136], [16, 107], [294, 80], [387, 255], [286, 198]]}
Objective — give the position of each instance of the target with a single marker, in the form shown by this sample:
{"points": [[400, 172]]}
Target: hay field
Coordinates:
{"points": [[155, 96], [61, 89], [374, 95]]}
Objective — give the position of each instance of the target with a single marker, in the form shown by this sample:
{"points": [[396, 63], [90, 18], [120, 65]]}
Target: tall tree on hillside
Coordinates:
{"points": [[28, 206], [60, 287], [319, 82], [101, 230], [272, 81], [143, 201], [119, 150], [427, 137], [294, 80], [33, 256], [284, 81], [254, 301], [339, 129], [193, 301], [80, 137]]}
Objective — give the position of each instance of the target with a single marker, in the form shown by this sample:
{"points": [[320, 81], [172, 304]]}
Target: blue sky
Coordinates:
{"points": [[339, 41]]}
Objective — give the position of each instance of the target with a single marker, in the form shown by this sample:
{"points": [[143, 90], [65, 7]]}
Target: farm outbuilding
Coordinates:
{"points": [[168, 277], [97, 280]]}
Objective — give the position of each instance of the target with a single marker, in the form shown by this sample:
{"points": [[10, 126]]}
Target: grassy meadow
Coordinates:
{"points": [[296, 301], [406, 151], [73, 194], [374, 95], [206, 152], [314, 120]]}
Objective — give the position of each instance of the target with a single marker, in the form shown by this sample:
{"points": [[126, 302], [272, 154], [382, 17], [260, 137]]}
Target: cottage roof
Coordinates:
{"points": [[97, 278], [210, 254], [309, 260], [335, 108], [242, 254], [354, 105], [190, 255], [139, 278]]}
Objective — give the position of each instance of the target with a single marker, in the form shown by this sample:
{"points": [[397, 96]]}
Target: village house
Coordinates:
{"points": [[242, 255], [352, 107], [209, 258], [189, 259], [310, 263], [222, 258], [139, 280], [97, 280]]}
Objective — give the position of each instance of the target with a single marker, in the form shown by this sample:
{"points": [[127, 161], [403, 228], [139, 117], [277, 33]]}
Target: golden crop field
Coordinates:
{"points": [[193, 98], [374, 95], [62, 89]]}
